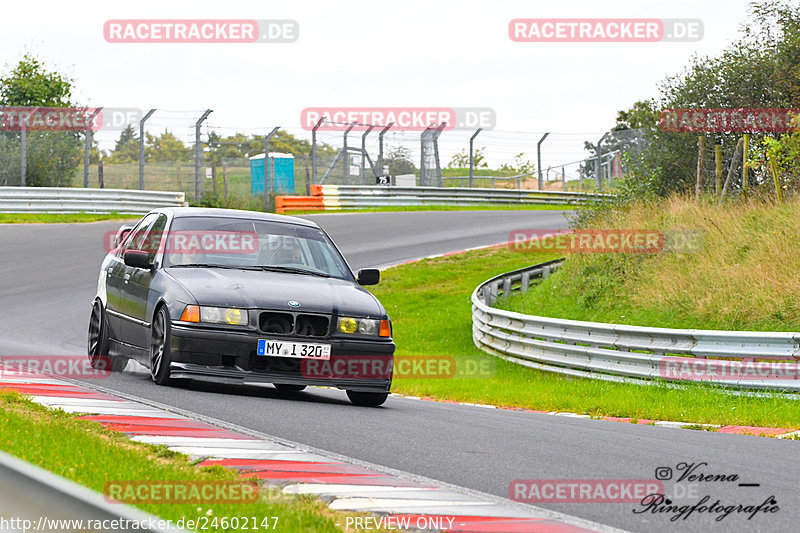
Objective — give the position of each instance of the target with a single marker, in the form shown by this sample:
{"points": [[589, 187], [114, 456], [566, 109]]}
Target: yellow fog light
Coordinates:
{"points": [[348, 325], [233, 316]]}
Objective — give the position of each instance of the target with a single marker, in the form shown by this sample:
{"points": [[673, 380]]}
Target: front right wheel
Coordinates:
{"points": [[367, 399]]}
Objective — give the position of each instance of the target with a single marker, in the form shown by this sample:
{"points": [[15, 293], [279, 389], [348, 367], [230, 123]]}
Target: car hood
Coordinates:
{"points": [[250, 289]]}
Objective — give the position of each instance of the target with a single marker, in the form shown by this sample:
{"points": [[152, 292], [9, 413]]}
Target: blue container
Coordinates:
{"points": [[282, 177]]}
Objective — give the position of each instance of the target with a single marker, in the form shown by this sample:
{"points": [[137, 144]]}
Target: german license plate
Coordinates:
{"points": [[296, 350]]}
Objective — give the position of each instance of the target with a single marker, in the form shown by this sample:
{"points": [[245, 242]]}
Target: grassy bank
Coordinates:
{"points": [[92, 456], [431, 312], [744, 274]]}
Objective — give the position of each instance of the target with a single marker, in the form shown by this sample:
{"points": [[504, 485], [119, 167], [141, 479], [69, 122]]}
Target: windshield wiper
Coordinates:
{"points": [[205, 265], [293, 270]]}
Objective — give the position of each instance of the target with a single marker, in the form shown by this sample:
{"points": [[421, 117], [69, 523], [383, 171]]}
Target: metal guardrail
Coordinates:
{"points": [[613, 351], [343, 196], [49, 502], [73, 200]]}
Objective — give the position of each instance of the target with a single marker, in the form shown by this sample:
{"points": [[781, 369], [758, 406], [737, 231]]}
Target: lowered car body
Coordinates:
{"points": [[241, 297]]}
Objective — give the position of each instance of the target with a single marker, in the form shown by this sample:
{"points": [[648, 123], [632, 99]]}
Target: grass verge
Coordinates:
{"points": [[429, 302], [743, 275], [67, 218], [92, 456]]}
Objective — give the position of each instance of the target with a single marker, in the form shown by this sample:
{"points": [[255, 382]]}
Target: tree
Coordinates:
{"points": [[461, 159], [126, 150], [52, 156], [761, 69], [166, 147], [399, 161]]}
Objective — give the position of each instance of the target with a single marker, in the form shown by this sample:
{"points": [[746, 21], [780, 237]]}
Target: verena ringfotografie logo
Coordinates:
{"points": [[605, 30], [403, 118], [603, 241], [60, 366], [739, 120], [689, 368], [583, 490], [201, 31], [67, 118]]}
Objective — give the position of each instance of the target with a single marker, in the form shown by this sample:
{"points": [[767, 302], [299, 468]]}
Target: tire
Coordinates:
{"points": [[160, 339], [285, 387], [367, 399], [98, 342]]}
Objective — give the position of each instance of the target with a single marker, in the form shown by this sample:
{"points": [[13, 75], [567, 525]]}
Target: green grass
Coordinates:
{"points": [[70, 218], [429, 302], [743, 275], [92, 456]]}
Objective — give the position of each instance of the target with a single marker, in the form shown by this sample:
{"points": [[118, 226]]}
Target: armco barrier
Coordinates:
{"points": [[612, 351], [332, 197], [72, 200]]}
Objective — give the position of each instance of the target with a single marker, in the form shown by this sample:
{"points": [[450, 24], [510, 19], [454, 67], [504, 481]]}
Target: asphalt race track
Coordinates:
{"points": [[48, 275]]}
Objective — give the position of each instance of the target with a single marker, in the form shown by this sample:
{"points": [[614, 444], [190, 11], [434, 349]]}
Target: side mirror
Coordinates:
{"points": [[368, 276], [138, 259], [122, 234]]}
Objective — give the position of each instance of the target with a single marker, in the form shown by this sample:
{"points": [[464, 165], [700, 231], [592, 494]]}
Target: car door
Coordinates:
{"points": [[115, 278], [137, 291], [127, 306]]}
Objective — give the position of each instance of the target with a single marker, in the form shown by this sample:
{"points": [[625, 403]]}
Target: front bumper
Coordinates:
{"points": [[231, 357]]}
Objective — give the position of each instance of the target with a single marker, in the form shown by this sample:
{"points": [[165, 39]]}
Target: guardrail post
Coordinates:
{"points": [[87, 146], [314, 150], [471, 157], [268, 186], [545, 271], [198, 155], [141, 148], [525, 282]]}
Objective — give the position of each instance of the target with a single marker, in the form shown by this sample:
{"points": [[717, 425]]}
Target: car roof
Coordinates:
{"points": [[209, 212]]}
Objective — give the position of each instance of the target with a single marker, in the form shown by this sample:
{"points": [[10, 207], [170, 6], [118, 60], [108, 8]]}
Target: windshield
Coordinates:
{"points": [[252, 244]]}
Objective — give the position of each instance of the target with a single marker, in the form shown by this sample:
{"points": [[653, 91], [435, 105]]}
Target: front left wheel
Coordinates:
{"points": [[160, 339]]}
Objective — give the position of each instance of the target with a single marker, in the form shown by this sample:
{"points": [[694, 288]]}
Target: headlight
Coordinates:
{"points": [[216, 315], [363, 326], [224, 315]]}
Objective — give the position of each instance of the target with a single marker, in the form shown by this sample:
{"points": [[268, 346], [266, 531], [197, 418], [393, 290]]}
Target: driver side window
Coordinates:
{"points": [[136, 240]]}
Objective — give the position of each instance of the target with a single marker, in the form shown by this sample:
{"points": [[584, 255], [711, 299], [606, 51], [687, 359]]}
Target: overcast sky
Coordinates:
{"points": [[412, 53]]}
